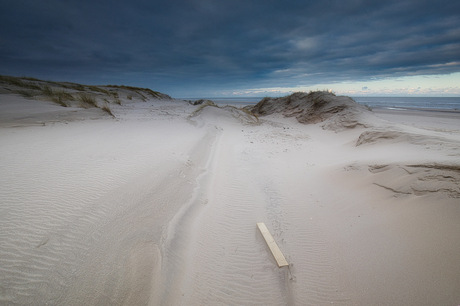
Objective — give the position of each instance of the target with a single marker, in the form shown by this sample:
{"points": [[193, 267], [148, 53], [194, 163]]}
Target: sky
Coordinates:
{"points": [[225, 48]]}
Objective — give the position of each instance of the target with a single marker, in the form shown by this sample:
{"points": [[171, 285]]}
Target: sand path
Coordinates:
{"points": [[222, 255], [217, 255]]}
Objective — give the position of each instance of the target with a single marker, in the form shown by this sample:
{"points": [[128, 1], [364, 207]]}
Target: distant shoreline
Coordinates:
{"points": [[422, 118], [414, 109]]}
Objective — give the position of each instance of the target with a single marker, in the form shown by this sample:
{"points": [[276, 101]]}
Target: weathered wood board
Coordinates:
{"points": [[279, 257]]}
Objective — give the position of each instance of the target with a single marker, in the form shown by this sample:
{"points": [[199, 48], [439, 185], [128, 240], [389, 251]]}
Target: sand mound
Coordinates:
{"points": [[419, 179], [210, 113], [202, 102], [72, 94], [375, 136], [28, 101], [336, 112], [393, 136], [414, 137]]}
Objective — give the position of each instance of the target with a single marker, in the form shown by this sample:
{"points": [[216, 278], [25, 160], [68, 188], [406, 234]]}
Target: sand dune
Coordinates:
{"points": [[334, 112], [159, 206]]}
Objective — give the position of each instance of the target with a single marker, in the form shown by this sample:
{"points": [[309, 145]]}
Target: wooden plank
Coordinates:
{"points": [[279, 257]]}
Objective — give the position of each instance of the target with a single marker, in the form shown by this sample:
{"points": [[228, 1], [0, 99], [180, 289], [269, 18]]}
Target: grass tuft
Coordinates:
{"points": [[60, 97], [57, 96], [139, 90], [327, 91], [87, 100], [98, 89], [250, 114], [47, 91], [78, 87], [27, 93], [202, 106], [107, 109]]}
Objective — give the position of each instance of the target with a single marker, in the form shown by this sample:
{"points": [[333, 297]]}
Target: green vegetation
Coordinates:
{"points": [[98, 89], [242, 114], [78, 87], [47, 91], [115, 96], [19, 82], [202, 106], [329, 91], [64, 93], [28, 93], [138, 90], [87, 100], [31, 79], [249, 113], [58, 96], [107, 109]]}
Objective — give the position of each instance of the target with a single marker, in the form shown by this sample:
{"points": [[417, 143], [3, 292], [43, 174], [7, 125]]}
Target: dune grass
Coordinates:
{"points": [[250, 114], [98, 89], [87, 100], [47, 91], [107, 109], [86, 96], [60, 97], [327, 91], [28, 93], [202, 106], [78, 87], [57, 96], [19, 82], [243, 114], [117, 101], [138, 90]]}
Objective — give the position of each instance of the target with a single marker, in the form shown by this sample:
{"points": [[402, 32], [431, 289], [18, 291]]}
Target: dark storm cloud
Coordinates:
{"points": [[193, 43]]}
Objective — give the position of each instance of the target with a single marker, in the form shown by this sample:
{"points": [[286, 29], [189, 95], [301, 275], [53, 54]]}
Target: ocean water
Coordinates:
{"points": [[443, 103]]}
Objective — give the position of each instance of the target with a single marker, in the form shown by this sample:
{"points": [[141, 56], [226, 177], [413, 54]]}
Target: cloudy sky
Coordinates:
{"points": [[212, 48]]}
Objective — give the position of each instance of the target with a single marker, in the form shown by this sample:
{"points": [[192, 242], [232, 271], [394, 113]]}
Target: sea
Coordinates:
{"points": [[429, 103]]}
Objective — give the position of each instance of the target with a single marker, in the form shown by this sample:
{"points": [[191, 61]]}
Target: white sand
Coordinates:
{"points": [[157, 207]]}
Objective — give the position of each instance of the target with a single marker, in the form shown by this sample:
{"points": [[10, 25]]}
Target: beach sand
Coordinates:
{"points": [[159, 206]]}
